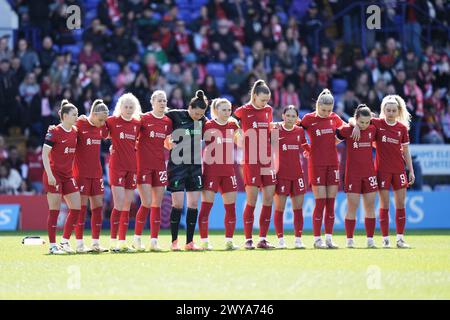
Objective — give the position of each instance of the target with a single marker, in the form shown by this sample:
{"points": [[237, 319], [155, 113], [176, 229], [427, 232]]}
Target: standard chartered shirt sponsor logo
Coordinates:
{"points": [[389, 140], [290, 147], [69, 150], [320, 132], [357, 145], [154, 134], [123, 135], [90, 141], [259, 124]]}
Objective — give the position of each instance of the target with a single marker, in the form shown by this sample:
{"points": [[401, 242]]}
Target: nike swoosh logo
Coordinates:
{"points": [[251, 115], [85, 132], [63, 141], [118, 126], [150, 124], [281, 138]]}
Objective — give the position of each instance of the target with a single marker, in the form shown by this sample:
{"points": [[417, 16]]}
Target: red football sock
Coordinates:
{"points": [[264, 220], [203, 218], [71, 223], [123, 224], [350, 227], [96, 222], [329, 215], [318, 216], [79, 229], [384, 222], [370, 226], [52, 221], [114, 223], [141, 219], [230, 219], [298, 222], [155, 221], [249, 218], [278, 222], [400, 219]]}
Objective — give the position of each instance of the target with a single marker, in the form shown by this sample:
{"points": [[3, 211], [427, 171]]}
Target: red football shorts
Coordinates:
{"points": [[154, 178], [360, 185], [291, 187], [63, 185], [223, 184], [120, 178], [258, 176], [396, 180], [90, 186], [323, 175]]}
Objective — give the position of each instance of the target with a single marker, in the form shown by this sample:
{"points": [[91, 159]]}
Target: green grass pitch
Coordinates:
{"points": [[423, 272]]}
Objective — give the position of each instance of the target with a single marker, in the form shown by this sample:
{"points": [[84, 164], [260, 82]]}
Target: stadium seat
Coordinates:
{"points": [[339, 86], [112, 68], [74, 49], [216, 69], [220, 83]]}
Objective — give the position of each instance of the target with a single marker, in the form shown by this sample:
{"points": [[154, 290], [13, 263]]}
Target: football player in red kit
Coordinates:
{"points": [[290, 180], [255, 120], [88, 173], [218, 170], [360, 176], [124, 126], [323, 166], [151, 169], [58, 154], [392, 145]]}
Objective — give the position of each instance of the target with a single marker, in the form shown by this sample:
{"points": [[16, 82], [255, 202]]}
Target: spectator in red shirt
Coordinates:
{"points": [[88, 56]]}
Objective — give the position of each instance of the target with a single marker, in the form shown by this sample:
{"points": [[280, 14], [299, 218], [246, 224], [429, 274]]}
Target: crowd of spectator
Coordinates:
{"points": [[296, 46]]}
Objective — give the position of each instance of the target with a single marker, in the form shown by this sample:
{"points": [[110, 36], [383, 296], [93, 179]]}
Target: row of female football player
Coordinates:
{"points": [[71, 157]]}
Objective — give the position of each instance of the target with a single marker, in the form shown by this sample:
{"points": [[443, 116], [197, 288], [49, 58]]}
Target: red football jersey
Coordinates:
{"points": [[390, 139], [359, 153], [218, 154], [150, 145], [87, 157], [123, 136], [290, 146], [321, 132], [63, 145], [35, 166], [258, 120]]}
